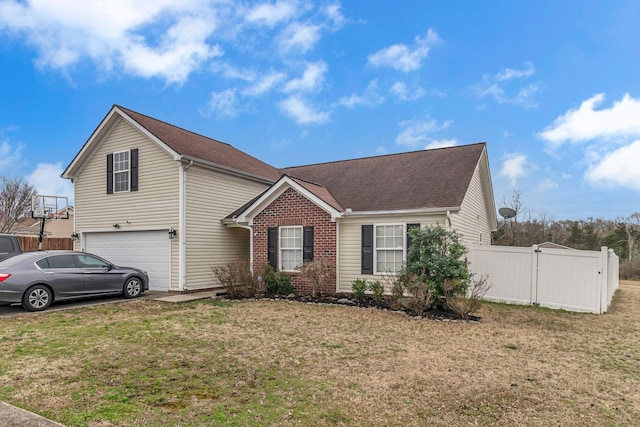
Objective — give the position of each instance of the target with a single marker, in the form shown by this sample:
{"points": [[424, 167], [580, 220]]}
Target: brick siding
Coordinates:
{"points": [[291, 208]]}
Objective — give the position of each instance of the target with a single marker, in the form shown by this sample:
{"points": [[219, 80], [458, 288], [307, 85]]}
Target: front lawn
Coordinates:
{"points": [[279, 363]]}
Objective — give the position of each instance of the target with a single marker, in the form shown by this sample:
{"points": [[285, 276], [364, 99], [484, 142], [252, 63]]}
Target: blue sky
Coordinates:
{"points": [[552, 87]]}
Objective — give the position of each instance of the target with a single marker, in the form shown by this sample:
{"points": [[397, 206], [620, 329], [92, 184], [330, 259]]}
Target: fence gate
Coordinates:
{"points": [[569, 279]]}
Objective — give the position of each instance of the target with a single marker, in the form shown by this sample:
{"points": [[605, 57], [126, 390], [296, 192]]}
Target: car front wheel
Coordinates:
{"points": [[37, 298], [132, 288]]}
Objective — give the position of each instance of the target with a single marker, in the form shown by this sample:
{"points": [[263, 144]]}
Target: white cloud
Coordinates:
{"points": [[223, 104], [165, 39], [270, 15], [299, 37], [46, 179], [504, 88], [334, 13], [231, 72], [514, 167], [547, 184], [586, 123], [311, 79], [402, 93], [415, 133], [9, 155], [265, 84], [510, 73], [442, 143], [618, 168], [405, 58], [302, 112], [368, 98]]}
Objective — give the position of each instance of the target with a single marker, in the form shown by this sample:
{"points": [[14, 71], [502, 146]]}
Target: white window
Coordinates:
{"points": [[121, 171], [290, 248], [389, 248]]}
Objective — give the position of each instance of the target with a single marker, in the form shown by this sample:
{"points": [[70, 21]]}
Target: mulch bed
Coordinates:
{"points": [[369, 302]]}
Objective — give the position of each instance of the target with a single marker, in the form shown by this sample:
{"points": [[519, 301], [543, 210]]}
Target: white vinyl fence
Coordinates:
{"points": [[568, 279]]}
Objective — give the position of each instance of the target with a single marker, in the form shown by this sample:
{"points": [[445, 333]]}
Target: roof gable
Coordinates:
{"points": [[178, 142], [425, 179], [198, 147], [313, 192]]}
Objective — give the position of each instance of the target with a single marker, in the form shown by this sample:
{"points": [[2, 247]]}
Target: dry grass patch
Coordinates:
{"points": [[280, 363]]}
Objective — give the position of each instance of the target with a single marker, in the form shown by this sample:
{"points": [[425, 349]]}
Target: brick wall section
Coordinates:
{"points": [[291, 208]]}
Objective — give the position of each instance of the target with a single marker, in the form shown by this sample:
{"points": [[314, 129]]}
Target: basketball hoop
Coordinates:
{"points": [[53, 208]]}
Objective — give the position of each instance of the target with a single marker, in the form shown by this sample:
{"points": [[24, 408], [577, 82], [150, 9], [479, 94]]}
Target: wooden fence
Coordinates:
{"points": [[30, 243]]}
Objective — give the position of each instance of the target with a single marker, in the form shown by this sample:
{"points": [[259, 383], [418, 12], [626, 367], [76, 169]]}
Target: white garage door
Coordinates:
{"points": [[146, 250]]}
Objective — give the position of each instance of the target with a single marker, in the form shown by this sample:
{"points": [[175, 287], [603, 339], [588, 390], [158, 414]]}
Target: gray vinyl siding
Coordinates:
{"points": [[153, 206], [350, 240], [472, 220], [211, 196]]}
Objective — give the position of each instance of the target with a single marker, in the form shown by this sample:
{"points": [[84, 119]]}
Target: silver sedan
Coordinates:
{"points": [[36, 279]]}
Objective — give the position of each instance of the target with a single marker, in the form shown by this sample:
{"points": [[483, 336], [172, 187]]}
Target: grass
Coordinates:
{"points": [[284, 363]]}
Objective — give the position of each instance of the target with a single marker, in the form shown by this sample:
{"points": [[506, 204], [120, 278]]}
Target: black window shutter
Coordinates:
{"points": [[134, 169], [307, 245], [109, 173], [367, 249], [409, 227], [272, 246]]}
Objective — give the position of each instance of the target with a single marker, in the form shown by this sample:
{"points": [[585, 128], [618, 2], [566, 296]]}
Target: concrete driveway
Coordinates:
{"points": [[17, 309]]}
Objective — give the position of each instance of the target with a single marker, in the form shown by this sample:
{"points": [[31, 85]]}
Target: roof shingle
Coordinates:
{"points": [[191, 144], [437, 178]]}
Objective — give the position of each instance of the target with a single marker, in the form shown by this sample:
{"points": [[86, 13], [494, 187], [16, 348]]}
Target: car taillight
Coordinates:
{"points": [[4, 276]]}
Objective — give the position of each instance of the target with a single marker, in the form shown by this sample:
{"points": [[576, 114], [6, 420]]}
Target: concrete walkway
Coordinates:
{"points": [[12, 416]]}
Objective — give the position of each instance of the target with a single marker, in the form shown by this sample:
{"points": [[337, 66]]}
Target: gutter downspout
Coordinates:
{"points": [[182, 226], [448, 220]]}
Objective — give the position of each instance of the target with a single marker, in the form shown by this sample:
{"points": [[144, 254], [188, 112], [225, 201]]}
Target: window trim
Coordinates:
{"points": [[127, 171], [376, 249], [280, 248]]}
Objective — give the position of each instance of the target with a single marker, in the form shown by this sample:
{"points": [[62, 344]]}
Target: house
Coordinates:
{"points": [[153, 195]]}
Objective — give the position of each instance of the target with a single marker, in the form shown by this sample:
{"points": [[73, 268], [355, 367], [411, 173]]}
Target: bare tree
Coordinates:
{"points": [[633, 230], [15, 201]]}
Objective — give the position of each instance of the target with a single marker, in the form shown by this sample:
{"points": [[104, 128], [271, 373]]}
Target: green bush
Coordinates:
{"points": [[276, 282], [377, 290], [435, 257], [359, 287], [284, 283]]}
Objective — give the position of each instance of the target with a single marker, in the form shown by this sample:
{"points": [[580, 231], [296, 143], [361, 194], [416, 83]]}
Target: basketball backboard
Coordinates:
{"points": [[49, 207]]}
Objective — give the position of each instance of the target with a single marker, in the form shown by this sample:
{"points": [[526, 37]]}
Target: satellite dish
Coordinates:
{"points": [[507, 213]]}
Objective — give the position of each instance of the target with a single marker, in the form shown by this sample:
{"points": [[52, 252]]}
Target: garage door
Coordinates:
{"points": [[147, 250]]}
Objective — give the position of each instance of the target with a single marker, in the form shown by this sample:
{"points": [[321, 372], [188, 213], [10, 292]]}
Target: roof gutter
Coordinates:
{"points": [[444, 210]]}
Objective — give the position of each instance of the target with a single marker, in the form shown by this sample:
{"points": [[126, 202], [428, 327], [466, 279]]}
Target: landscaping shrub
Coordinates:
{"points": [[317, 274], [465, 305], [377, 290], [435, 256], [275, 282], [237, 279], [359, 287]]}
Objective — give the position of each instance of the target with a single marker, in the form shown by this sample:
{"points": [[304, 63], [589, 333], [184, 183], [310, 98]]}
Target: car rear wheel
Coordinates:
{"points": [[37, 298], [132, 288]]}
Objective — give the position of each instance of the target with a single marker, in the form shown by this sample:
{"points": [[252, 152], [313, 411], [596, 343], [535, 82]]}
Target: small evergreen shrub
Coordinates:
{"points": [[276, 282], [284, 286], [359, 287], [377, 290]]}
